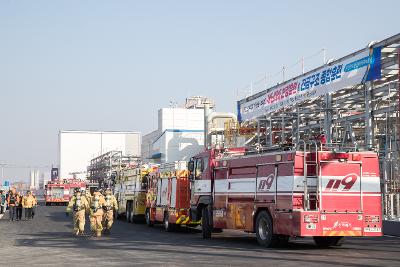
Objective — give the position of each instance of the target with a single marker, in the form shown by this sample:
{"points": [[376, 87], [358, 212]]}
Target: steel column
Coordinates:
{"points": [[368, 115], [328, 118]]}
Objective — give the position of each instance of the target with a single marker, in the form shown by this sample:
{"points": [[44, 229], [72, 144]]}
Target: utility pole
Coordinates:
{"points": [[283, 74]]}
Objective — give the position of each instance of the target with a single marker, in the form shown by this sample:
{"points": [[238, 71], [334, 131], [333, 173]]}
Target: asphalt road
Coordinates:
{"points": [[48, 241]]}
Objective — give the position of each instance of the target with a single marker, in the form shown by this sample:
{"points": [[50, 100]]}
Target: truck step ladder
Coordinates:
{"points": [[311, 200]]}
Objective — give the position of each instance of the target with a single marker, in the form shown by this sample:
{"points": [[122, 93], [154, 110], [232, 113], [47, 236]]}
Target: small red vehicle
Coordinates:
{"points": [[59, 192]]}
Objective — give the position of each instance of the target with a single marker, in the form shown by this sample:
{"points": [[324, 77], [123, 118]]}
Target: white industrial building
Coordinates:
{"points": [[77, 148], [34, 179], [180, 132]]}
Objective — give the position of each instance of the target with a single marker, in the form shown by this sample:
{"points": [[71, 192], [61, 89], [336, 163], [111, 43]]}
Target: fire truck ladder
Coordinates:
{"points": [[310, 191]]}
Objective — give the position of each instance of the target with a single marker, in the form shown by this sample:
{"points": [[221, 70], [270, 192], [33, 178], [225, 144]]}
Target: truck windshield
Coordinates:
{"points": [[201, 165], [57, 192]]}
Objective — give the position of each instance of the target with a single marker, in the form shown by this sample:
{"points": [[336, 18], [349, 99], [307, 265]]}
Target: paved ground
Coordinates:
{"points": [[47, 241]]}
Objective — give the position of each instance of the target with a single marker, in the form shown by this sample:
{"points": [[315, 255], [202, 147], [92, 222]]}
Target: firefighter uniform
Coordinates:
{"points": [[79, 205], [96, 213], [3, 202], [19, 206], [109, 207], [12, 201], [28, 202], [88, 195], [85, 196]]}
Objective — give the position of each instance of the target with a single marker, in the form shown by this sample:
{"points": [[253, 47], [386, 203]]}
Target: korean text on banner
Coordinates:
{"points": [[357, 69]]}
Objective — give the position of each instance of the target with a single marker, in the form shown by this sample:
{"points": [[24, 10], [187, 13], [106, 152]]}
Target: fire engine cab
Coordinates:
{"points": [[311, 190]]}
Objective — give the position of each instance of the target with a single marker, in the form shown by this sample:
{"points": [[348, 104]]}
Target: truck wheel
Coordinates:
{"points": [[148, 219], [128, 212], [205, 224], [264, 230], [339, 241], [328, 241], [169, 227], [132, 220]]}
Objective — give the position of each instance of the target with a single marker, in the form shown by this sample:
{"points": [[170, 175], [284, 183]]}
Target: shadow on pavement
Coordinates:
{"points": [[187, 243], [154, 241]]}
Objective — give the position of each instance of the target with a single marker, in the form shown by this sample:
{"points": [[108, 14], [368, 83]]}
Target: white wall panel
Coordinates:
{"points": [[77, 148]]}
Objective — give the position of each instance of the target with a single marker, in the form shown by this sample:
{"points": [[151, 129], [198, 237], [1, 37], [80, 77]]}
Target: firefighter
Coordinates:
{"points": [[79, 205], [96, 212], [109, 207], [3, 201], [19, 206], [12, 202], [88, 195], [84, 195], [27, 203]]}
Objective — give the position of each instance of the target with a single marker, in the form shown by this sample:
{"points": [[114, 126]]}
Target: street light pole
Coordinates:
{"points": [[2, 173]]}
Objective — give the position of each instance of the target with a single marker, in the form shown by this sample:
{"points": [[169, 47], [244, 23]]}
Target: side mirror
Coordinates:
{"points": [[191, 166], [191, 176], [191, 170]]}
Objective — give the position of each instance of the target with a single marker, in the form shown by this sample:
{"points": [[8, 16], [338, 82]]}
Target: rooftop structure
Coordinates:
{"points": [[180, 132], [352, 101]]}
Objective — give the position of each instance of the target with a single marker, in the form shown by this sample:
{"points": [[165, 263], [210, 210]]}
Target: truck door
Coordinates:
{"points": [[159, 195], [202, 179], [266, 183], [340, 187], [284, 187]]}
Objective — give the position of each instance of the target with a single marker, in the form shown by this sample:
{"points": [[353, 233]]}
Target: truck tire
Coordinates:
{"points": [[132, 220], [128, 212], [169, 227], [264, 230], [339, 241], [206, 228], [328, 241], [148, 219]]}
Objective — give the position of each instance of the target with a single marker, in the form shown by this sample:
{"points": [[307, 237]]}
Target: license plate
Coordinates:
{"points": [[372, 229]]}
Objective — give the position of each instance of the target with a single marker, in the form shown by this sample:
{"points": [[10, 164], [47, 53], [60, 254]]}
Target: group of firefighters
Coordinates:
{"points": [[16, 202], [100, 206]]}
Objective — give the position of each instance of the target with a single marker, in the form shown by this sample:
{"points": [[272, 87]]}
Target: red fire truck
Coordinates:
{"points": [[168, 196], [311, 191], [58, 192]]}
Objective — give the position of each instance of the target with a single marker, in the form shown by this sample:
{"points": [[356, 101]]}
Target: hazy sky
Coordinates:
{"points": [[109, 65]]}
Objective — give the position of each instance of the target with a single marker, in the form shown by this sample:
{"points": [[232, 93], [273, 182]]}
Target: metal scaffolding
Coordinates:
{"points": [[366, 116], [105, 168]]}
